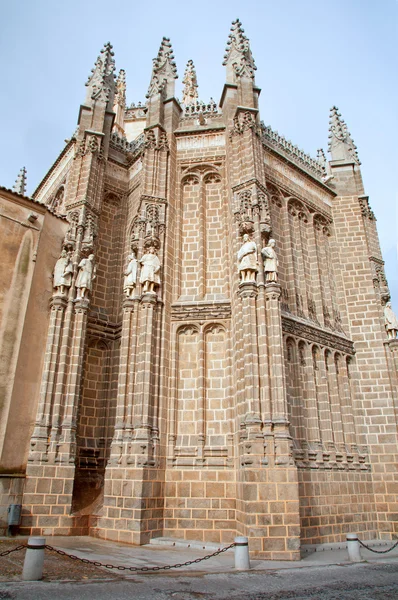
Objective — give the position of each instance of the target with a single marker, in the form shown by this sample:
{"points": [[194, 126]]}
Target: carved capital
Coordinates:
{"points": [[273, 290], [248, 289], [149, 298]]}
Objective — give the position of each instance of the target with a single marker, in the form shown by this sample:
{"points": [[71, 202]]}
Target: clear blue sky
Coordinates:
{"points": [[310, 54]]}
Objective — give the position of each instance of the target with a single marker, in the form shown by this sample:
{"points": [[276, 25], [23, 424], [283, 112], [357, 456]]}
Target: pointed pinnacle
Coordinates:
{"points": [[165, 55], [190, 92], [238, 51], [120, 96], [340, 136], [102, 75], [20, 183]]}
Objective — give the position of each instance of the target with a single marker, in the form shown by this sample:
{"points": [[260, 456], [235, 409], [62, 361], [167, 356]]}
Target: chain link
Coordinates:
{"points": [[96, 563], [378, 551], [13, 550]]}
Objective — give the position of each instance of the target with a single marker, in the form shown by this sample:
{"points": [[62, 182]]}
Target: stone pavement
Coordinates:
{"points": [[166, 551]]}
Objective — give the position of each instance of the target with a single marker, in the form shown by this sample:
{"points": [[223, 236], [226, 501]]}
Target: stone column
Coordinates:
{"points": [[39, 440], [67, 443], [144, 394], [313, 450], [253, 447], [325, 418], [125, 382], [283, 442]]}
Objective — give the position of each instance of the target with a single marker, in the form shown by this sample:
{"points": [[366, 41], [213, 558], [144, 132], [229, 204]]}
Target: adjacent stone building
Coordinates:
{"points": [[194, 327]]}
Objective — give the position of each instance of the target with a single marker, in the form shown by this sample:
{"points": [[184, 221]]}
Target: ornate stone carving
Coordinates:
{"points": [[101, 83], [244, 212], [244, 121], [390, 322], [341, 144], [238, 53], [150, 270], [379, 279], [164, 69], [85, 277], [247, 259], [276, 141], [322, 224], [201, 312], [297, 209], [365, 208], [63, 272], [190, 83], [312, 309], [270, 261], [150, 140], [130, 274], [312, 333]]}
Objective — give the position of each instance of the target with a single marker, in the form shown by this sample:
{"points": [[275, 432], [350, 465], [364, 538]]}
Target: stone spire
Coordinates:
{"points": [[101, 82], [238, 57], [20, 183], [164, 71], [119, 104], [120, 95], [190, 93], [341, 145]]}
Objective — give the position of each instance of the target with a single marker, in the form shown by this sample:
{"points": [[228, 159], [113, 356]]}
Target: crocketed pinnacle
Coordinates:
{"points": [[120, 95], [20, 183], [238, 53], [164, 69], [190, 93], [101, 82], [341, 145]]}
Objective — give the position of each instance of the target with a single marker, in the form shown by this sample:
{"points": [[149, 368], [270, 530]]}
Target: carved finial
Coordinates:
{"points": [[321, 158], [238, 57], [119, 104], [120, 95], [190, 93], [341, 145], [164, 69], [20, 183], [101, 82]]}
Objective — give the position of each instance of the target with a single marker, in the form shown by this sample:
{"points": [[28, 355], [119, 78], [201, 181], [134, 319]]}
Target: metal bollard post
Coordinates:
{"points": [[353, 547], [34, 559], [242, 559]]}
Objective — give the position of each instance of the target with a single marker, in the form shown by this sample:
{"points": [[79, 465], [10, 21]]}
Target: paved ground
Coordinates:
{"points": [[325, 575], [354, 582]]}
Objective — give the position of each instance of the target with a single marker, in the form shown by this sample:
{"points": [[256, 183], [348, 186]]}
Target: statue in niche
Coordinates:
{"points": [[270, 262], [130, 274], [390, 322], [150, 269], [63, 272], [247, 259], [85, 277]]}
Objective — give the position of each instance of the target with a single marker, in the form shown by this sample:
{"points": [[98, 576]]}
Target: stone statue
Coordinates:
{"points": [[85, 277], [130, 274], [150, 267], [390, 322], [270, 261], [247, 259], [63, 272]]}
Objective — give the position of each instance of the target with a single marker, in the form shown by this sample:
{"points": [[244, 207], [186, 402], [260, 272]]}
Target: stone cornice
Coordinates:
{"points": [[312, 333], [200, 311], [55, 164]]}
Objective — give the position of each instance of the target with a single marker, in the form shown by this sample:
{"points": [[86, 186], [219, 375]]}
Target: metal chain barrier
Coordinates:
{"points": [[21, 547], [378, 551], [96, 563]]}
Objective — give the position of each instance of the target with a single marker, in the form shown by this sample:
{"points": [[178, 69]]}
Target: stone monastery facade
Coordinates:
{"points": [[196, 338]]}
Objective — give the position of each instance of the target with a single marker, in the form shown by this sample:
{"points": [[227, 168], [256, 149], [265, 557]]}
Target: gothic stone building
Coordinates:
{"points": [[155, 384]]}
